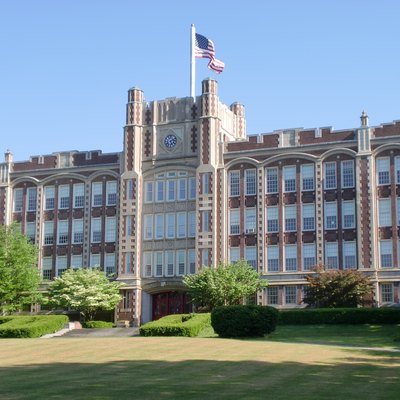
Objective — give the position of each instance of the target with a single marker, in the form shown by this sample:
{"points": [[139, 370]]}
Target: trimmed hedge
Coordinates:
{"points": [[31, 326], [244, 320], [97, 324], [176, 325], [339, 316]]}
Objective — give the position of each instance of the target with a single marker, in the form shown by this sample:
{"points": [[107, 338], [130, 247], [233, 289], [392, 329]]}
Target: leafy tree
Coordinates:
{"points": [[225, 285], [338, 288], [19, 276], [86, 290]]}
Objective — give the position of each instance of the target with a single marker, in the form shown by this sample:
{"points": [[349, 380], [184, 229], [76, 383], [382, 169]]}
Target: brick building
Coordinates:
{"points": [[191, 189]]}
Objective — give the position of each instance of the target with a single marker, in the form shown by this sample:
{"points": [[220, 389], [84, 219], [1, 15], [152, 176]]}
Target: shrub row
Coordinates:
{"points": [[31, 326], [98, 324], [244, 321], [339, 316], [176, 325]]}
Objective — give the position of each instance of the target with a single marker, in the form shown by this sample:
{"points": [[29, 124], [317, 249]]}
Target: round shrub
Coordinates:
{"points": [[243, 321], [97, 324]]}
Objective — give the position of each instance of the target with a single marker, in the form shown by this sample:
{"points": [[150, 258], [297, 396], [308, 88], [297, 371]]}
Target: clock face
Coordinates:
{"points": [[170, 141]]}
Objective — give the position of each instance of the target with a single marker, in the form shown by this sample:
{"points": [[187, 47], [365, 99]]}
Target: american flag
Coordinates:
{"points": [[204, 48]]}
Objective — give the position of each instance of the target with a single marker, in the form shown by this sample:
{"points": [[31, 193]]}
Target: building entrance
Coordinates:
{"points": [[170, 303]]}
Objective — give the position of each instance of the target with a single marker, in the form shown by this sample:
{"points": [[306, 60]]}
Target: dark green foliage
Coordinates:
{"points": [[339, 316], [176, 325], [31, 326], [97, 324], [244, 321], [338, 288]]}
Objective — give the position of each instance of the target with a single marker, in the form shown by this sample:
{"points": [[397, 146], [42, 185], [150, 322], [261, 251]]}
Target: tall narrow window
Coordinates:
{"points": [[331, 255], [160, 191], [192, 261], [111, 229], [111, 193], [251, 256], [382, 171], [47, 266], [181, 218], [62, 232], [349, 255], [290, 218], [347, 174], [31, 194], [96, 230], [147, 261], [97, 194], [307, 177], [159, 263], [148, 227], [192, 188], [171, 190], [128, 227], [250, 177], [169, 263], [234, 183], [205, 257], [290, 295], [348, 211], [181, 261], [272, 180], [129, 189], [159, 222], [234, 254], [148, 192], [384, 212], [79, 195], [290, 257], [273, 258], [182, 189], [250, 220], [109, 264], [170, 221], [49, 197], [206, 221], [308, 217], [48, 237], [30, 231], [63, 196], [330, 215], [95, 260], [206, 183], [77, 231], [192, 223], [18, 199], [234, 221], [330, 175], [128, 263], [397, 166], [272, 295], [387, 292], [272, 219], [76, 261], [398, 210], [308, 256], [386, 252], [289, 177], [61, 264]]}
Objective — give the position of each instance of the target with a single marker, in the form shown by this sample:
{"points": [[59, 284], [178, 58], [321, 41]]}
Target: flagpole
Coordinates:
{"points": [[192, 62]]}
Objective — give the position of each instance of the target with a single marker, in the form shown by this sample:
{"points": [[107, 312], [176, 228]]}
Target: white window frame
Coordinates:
{"points": [[97, 194], [330, 175], [290, 212], [273, 258], [111, 193], [181, 222], [330, 215], [169, 263], [111, 229], [290, 251], [159, 226], [62, 232], [250, 254], [148, 227], [234, 183], [49, 197], [48, 233], [77, 231], [160, 191], [386, 250], [182, 189], [290, 294], [96, 233], [347, 173], [383, 171], [348, 214], [384, 212], [158, 263], [61, 264], [18, 200], [149, 192], [308, 217], [171, 190], [31, 195], [272, 219], [308, 254], [271, 180], [387, 293], [289, 179], [307, 177], [192, 224], [147, 264], [250, 215], [234, 255], [192, 188], [180, 262], [170, 224], [349, 254], [250, 176], [331, 255], [78, 192], [234, 221], [63, 197]]}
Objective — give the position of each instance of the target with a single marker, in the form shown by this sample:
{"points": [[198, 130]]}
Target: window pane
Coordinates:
{"points": [[250, 176], [308, 217], [307, 176], [330, 175], [382, 171], [272, 180], [234, 179], [289, 177], [347, 174]]}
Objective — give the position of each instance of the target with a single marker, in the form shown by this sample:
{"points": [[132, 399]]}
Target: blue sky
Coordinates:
{"points": [[66, 66]]}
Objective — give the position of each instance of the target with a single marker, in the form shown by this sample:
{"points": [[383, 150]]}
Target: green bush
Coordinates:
{"points": [[244, 321], [339, 316], [98, 324], [176, 325], [31, 326]]}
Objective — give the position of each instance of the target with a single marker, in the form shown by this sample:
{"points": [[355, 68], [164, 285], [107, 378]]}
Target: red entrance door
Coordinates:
{"points": [[170, 303]]}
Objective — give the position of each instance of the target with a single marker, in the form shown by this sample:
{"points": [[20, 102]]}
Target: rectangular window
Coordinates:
{"points": [[169, 263], [290, 295], [349, 255], [63, 196], [192, 223], [250, 220], [18, 199], [204, 257], [159, 222], [111, 189], [129, 189], [308, 217], [192, 188], [128, 263], [290, 257], [330, 215], [31, 194], [160, 191], [128, 226], [250, 178], [397, 166], [159, 263], [272, 180], [94, 260], [148, 192], [330, 175], [181, 224], [206, 221], [234, 221], [206, 183], [76, 261], [251, 256], [398, 210], [79, 195], [182, 189], [272, 219], [96, 230], [290, 218], [272, 295], [289, 178], [331, 255], [61, 264], [234, 254], [348, 212], [47, 266], [48, 237], [308, 256], [386, 253], [181, 261], [97, 194], [307, 177], [387, 292], [347, 174], [77, 231], [234, 183], [148, 227], [170, 220], [383, 171], [384, 212], [49, 197], [109, 261], [111, 229], [30, 231], [192, 261], [171, 190], [273, 258], [62, 232]]}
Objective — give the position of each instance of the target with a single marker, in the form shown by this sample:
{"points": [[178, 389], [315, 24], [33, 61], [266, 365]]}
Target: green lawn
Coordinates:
{"points": [[193, 368]]}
